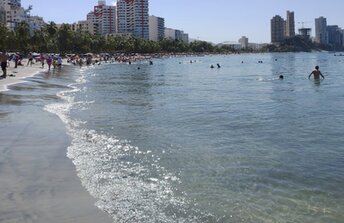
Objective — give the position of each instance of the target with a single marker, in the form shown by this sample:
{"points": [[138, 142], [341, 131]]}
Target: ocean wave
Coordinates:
{"points": [[129, 184]]}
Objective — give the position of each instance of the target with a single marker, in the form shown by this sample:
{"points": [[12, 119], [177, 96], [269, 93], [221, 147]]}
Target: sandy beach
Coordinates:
{"points": [[38, 183], [17, 75]]}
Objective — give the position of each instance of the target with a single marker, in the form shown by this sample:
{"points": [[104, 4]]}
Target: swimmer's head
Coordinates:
{"points": [[317, 67]]}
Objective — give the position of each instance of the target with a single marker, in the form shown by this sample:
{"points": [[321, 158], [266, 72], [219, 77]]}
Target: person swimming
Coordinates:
{"points": [[316, 73]]}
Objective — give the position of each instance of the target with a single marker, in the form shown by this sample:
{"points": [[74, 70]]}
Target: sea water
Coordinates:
{"points": [[177, 141]]}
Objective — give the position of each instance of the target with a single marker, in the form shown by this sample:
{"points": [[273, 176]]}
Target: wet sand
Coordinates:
{"points": [[38, 183], [17, 75]]}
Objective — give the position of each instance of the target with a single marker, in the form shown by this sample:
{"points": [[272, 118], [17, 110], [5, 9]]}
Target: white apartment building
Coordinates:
{"points": [[104, 17], [170, 33], [133, 17], [231, 44], [156, 28], [175, 34], [85, 26], [13, 13]]}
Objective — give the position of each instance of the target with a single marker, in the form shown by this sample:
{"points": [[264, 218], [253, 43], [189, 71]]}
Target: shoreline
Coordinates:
{"points": [[20, 74], [39, 183]]}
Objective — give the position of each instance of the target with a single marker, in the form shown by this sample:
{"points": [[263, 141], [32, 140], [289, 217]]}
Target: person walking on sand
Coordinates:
{"points": [[316, 73], [49, 62], [30, 58], [3, 60], [42, 58], [16, 59], [59, 62]]}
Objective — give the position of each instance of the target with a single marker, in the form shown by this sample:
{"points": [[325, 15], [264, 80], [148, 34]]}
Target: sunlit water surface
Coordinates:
{"points": [[179, 142]]}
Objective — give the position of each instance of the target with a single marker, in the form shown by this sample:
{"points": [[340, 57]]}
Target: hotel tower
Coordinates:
{"points": [[133, 18]]}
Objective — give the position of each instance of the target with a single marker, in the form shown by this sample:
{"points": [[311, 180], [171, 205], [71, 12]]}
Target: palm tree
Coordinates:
{"points": [[49, 33], [3, 37], [22, 36], [64, 39]]}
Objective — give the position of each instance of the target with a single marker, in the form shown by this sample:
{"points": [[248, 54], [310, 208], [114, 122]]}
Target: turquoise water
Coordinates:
{"points": [[180, 142]]}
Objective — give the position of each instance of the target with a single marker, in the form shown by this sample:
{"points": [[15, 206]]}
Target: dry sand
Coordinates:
{"points": [[38, 183]]}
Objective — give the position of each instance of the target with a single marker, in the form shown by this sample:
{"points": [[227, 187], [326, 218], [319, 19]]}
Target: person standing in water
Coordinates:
{"points": [[316, 73]]}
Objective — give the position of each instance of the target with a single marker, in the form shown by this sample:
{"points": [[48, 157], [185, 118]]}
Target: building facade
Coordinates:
{"points": [[170, 33], [104, 17], [2, 16], [334, 35], [290, 25], [185, 37], [244, 42], [156, 28], [133, 17], [85, 26], [35, 23], [13, 13], [15, 3], [277, 29], [175, 34], [321, 30]]}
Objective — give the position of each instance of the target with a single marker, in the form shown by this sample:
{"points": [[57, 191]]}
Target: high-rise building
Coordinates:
{"points": [[179, 34], [35, 23], [244, 42], [156, 28], [133, 17], [277, 29], [185, 37], [321, 30], [290, 25], [170, 33], [14, 13], [334, 35], [105, 18], [13, 3]]}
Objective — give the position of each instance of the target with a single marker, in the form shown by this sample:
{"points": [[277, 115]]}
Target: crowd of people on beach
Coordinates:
{"points": [[90, 59], [50, 59], [54, 60]]}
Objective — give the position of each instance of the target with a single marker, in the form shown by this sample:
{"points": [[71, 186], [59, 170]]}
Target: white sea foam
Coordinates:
{"points": [[128, 183]]}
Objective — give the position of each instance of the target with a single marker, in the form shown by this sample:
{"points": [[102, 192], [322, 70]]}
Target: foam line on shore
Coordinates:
{"points": [[19, 74]]}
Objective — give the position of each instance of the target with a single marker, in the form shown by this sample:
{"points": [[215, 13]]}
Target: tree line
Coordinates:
{"points": [[63, 39]]}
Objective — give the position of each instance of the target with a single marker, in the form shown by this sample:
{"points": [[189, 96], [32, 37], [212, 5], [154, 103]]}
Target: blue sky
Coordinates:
{"points": [[216, 20]]}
